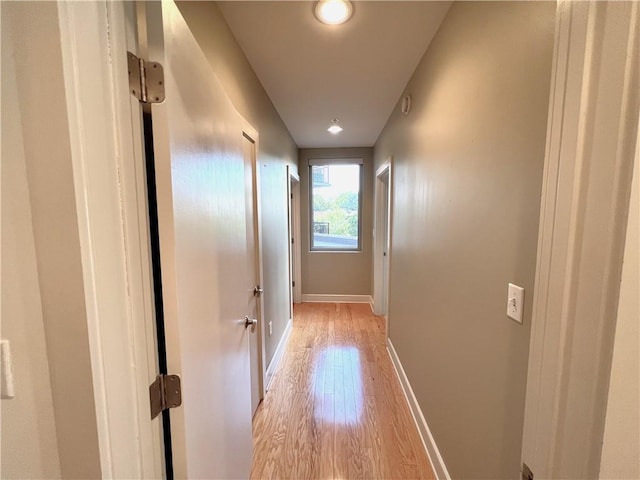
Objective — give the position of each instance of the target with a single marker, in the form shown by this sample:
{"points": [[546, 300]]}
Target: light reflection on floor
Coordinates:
{"points": [[337, 385]]}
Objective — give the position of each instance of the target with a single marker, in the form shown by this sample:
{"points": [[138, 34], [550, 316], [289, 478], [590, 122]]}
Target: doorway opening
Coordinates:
{"points": [[295, 253], [382, 242]]}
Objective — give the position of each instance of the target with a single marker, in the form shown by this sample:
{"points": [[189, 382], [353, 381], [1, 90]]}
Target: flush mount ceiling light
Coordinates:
{"points": [[335, 128], [333, 12]]}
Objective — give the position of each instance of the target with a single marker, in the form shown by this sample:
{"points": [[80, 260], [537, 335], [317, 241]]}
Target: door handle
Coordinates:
{"points": [[257, 291], [250, 322]]}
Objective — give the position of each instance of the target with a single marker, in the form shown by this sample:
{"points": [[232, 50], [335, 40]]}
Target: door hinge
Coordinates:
{"points": [[293, 284], [146, 79], [165, 393], [292, 242]]}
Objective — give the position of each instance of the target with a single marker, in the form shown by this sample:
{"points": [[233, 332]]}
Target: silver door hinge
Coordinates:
{"points": [[146, 79], [165, 393]]}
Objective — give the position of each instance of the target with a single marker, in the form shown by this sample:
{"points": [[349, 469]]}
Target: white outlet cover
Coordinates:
{"points": [[515, 302]]}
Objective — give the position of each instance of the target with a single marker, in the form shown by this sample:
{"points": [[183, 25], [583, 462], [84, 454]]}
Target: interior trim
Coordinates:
{"points": [[278, 354], [331, 298], [429, 443]]}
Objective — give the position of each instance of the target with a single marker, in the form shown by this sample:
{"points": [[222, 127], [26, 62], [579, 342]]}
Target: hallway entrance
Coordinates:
{"points": [[335, 408]]}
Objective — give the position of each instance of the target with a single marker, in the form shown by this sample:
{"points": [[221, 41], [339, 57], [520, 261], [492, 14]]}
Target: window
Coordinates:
{"points": [[321, 176], [335, 204]]}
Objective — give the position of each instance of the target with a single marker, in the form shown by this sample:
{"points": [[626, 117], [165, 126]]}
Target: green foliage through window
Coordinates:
{"points": [[335, 207]]}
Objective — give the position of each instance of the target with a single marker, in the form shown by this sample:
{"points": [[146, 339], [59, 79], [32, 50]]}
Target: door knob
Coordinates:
{"points": [[257, 291], [250, 322]]}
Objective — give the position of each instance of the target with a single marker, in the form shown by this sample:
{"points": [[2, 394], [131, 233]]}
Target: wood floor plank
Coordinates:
{"points": [[335, 409]]}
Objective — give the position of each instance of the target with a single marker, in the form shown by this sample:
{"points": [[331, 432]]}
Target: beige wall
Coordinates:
{"points": [[344, 273], [467, 182], [33, 29], [621, 443], [276, 150], [29, 448]]}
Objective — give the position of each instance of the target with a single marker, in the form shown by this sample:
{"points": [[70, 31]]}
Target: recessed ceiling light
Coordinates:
{"points": [[333, 12], [335, 129]]}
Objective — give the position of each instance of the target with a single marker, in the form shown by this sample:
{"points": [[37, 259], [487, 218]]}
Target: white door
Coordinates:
{"points": [[295, 280], [385, 245], [382, 241], [200, 174], [292, 260], [254, 288]]}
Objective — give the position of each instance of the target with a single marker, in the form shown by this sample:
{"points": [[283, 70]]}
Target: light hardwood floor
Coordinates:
{"points": [[335, 409]]}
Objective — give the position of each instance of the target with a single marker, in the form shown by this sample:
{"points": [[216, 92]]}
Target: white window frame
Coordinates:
{"points": [[315, 162]]}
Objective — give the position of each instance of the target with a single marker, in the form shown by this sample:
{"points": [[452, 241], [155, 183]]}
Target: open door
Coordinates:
{"points": [[295, 262], [201, 251], [255, 289]]}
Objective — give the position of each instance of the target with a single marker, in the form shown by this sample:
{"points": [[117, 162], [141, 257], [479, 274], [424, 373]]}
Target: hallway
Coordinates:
{"points": [[175, 175], [335, 408]]}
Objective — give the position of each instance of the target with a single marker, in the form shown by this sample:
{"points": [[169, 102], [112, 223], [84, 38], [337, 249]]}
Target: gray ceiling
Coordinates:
{"points": [[314, 72]]}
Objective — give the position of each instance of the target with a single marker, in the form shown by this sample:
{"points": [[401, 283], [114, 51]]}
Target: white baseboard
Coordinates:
{"points": [[428, 442], [277, 355], [323, 298]]}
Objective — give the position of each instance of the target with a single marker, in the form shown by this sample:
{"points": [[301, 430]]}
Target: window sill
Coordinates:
{"points": [[335, 251]]}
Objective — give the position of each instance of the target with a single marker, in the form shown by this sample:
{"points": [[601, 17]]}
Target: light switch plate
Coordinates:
{"points": [[515, 302], [6, 371]]}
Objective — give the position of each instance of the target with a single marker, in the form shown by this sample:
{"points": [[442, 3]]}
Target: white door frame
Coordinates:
{"points": [[109, 180], [380, 283], [252, 134], [295, 252], [591, 138]]}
